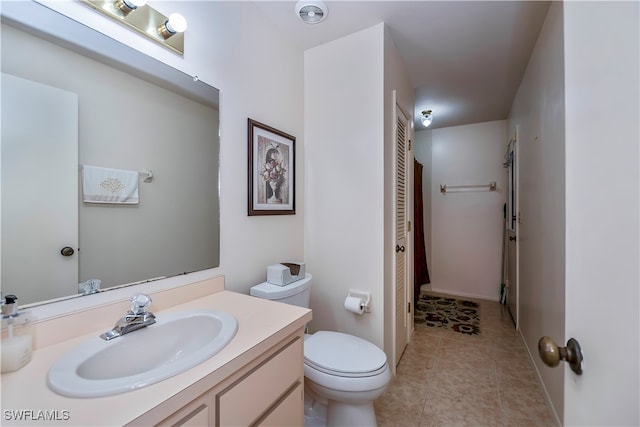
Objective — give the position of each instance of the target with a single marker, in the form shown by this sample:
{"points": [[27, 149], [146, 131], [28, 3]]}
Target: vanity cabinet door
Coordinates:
{"points": [[200, 417], [289, 412], [198, 413], [261, 389]]}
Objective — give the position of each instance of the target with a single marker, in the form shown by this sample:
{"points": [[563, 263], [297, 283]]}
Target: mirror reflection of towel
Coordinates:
{"points": [[104, 185]]}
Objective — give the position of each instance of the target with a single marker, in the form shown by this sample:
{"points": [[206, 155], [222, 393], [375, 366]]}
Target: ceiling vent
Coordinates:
{"points": [[311, 11]]}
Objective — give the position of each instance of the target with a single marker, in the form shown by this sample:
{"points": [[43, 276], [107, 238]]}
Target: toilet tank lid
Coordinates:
{"points": [[268, 291]]}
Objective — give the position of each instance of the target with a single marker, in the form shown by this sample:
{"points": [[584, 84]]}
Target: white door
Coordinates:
{"points": [[39, 190], [401, 242], [512, 240], [602, 211]]}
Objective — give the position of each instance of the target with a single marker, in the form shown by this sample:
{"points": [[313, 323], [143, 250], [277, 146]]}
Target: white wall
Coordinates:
{"points": [[422, 152], [538, 113], [466, 227], [349, 108], [602, 69], [265, 84], [344, 136], [397, 90]]}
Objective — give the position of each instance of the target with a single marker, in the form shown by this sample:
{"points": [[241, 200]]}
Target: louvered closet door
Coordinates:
{"points": [[401, 233]]}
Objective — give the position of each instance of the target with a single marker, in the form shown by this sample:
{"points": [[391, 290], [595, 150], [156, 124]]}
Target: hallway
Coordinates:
{"points": [[451, 379]]}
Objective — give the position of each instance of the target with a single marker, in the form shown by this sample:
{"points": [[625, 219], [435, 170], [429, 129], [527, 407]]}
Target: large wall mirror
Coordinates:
{"points": [[80, 100]]}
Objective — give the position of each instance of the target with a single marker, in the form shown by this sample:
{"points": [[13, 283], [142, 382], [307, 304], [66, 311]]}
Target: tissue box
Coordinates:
{"points": [[284, 273]]}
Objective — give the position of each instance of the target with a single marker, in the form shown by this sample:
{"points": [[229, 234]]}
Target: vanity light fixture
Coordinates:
{"points": [[311, 11], [139, 16], [427, 117]]}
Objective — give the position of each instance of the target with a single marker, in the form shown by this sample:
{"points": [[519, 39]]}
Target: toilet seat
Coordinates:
{"points": [[361, 386], [345, 374], [343, 355]]}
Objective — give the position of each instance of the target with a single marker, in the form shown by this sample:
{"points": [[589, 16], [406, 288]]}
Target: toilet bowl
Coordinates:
{"points": [[347, 371], [344, 372]]}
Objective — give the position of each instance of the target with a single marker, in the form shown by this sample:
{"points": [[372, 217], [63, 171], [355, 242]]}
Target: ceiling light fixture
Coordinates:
{"points": [[311, 11], [427, 117]]}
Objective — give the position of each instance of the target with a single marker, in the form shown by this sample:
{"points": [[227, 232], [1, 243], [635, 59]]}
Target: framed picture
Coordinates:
{"points": [[272, 162]]}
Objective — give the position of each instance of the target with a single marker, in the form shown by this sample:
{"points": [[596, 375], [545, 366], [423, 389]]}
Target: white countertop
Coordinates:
{"points": [[261, 324]]}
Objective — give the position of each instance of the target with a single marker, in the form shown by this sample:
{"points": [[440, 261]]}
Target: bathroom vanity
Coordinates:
{"points": [[257, 379], [268, 391]]}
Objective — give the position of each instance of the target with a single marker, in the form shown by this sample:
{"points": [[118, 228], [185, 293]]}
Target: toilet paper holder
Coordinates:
{"points": [[365, 296]]}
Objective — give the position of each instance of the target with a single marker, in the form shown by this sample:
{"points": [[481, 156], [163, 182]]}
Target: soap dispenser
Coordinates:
{"points": [[16, 349]]}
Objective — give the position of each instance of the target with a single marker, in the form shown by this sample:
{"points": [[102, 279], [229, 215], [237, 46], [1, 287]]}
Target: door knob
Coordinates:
{"points": [[551, 354], [67, 251], [399, 248]]}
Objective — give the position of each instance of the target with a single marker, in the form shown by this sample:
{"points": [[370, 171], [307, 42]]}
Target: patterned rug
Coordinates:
{"points": [[449, 313]]}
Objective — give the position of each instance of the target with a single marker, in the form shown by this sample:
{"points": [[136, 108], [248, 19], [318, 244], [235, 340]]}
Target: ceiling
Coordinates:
{"points": [[465, 59]]}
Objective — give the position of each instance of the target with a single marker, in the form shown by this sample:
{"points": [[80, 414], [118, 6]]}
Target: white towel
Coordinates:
{"points": [[104, 185]]}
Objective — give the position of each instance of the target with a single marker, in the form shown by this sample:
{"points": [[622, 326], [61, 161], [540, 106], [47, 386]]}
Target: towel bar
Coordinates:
{"points": [[444, 188], [148, 174]]}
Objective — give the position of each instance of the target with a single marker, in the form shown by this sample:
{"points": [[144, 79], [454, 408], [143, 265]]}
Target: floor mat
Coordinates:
{"points": [[448, 313]]}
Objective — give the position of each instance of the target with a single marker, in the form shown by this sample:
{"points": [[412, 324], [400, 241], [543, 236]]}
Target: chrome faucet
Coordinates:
{"points": [[136, 318]]}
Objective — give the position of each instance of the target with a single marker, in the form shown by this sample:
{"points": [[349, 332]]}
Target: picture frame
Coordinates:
{"points": [[271, 180]]}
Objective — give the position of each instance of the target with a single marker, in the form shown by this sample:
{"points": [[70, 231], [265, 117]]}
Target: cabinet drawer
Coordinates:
{"points": [[247, 399]]}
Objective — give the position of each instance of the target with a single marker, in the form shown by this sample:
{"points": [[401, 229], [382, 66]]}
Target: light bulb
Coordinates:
{"points": [[137, 3], [176, 23], [128, 6], [427, 117]]}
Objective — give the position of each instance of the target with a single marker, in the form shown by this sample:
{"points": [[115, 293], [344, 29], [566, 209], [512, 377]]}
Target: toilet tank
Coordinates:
{"points": [[296, 293]]}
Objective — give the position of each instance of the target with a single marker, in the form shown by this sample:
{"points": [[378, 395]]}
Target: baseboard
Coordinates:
{"points": [[463, 294], [545, 393]]}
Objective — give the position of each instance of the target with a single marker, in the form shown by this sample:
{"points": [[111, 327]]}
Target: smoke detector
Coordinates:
{"points": [[311, 11]]}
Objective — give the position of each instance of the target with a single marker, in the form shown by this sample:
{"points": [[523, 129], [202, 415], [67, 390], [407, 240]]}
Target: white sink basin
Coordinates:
{"points": [[176, 342]]}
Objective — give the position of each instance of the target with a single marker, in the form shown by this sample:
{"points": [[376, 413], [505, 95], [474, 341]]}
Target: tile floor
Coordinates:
{"points": [[446, 378]]}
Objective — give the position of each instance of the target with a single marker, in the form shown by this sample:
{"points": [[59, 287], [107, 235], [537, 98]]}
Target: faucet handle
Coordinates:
{"points": [[140, 303]]}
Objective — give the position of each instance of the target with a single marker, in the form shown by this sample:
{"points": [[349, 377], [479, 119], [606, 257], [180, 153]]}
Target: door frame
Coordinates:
{"points": [[513, 220], [408, 314]]}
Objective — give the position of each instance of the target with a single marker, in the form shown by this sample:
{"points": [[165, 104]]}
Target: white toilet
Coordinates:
{"points": [[347, 372]]}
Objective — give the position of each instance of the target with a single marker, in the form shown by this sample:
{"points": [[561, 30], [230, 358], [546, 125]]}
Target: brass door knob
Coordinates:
{"points": [[551, 354]]}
